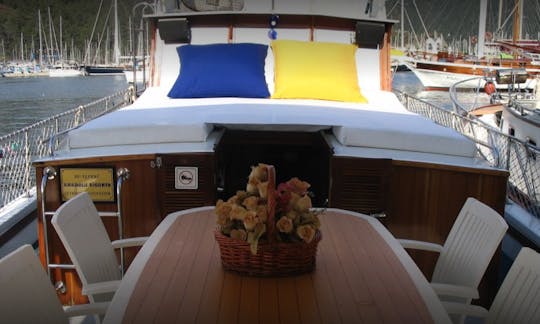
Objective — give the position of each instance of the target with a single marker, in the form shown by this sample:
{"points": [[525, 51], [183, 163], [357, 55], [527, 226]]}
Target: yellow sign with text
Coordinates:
{"points": [[98, 182]]}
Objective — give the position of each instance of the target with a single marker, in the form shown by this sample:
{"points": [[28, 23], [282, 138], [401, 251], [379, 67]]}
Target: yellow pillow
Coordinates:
{"points": [[315, 70]]}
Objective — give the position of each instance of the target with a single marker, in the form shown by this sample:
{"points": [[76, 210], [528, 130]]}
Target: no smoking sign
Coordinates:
{"points": [[186, 178]]}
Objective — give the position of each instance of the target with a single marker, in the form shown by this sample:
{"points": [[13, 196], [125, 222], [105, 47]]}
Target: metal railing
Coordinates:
{"points": [[500, 150], [19, 149]]}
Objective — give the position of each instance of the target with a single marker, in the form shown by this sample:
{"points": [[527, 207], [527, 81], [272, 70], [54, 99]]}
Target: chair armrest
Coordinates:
{"points": [[465, 309], [420, 245], [454, 290], [86, 309], [129, 242], [101, 287]]}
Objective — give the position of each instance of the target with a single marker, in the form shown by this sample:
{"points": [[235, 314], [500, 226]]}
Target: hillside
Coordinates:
{"points": [[459, 18], [21, 17], [454, 19]]}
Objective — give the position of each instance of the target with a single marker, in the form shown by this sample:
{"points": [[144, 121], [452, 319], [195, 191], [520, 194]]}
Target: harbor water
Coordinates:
{"points": [[27, 100], [24, 101]]}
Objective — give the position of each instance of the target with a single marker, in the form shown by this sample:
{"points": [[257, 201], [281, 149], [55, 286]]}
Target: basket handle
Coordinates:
{"points": [[271, 202]]}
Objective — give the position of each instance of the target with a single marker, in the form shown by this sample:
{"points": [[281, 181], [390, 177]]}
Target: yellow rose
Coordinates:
{"points": [[303, 204], [284, 225], [262, 213], [238, 212], [251, 202], [294, 198], [250, 220], [222, 208], [263, 189], [251, 186], [291, 214], [298, 185], [306, 233], [259, 172]]}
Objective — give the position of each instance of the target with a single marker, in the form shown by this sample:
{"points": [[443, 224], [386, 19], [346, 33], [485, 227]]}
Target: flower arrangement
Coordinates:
{"points": [[246, 215]]}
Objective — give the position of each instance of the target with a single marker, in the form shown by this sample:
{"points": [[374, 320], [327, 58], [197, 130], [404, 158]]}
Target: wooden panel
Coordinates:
{"points": [[421, 200], [139, 208], [172, 199], [360, 184]]}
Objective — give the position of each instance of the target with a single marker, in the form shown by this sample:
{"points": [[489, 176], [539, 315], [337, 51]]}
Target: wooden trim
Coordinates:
{"points": [[485, 171], [384, 60]]}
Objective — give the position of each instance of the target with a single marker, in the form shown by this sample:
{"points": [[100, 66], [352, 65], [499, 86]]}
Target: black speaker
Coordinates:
{"points": [[174, 30], [369, 34]]}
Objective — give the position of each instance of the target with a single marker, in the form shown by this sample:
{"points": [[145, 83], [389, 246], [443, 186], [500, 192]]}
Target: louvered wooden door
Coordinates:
{"points": [[171, 198]]}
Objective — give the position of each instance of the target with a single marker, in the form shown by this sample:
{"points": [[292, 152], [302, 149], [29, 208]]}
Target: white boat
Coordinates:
{"points": [[65, 72], [138, 75], [372, 156], [436, 75]]}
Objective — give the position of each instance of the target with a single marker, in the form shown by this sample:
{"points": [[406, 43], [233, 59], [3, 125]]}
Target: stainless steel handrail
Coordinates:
{"points": [[49, 173]]}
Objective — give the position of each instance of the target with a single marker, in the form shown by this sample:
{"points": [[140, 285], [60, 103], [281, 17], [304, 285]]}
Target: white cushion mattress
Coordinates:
{"points": [[382, 123]]}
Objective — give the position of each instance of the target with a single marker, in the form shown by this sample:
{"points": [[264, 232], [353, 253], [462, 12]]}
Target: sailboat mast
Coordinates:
{"points": [[22, 47], [482, 28], [40, 39], [402, 24], [61, 47], [116, 43], [51, 49], [518, 13]]}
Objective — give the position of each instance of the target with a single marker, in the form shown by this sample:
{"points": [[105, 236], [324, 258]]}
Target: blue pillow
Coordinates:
{"points": [[221, 70]]}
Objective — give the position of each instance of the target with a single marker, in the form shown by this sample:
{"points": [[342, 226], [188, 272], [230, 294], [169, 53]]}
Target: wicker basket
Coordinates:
{"points": [[273, 258]]}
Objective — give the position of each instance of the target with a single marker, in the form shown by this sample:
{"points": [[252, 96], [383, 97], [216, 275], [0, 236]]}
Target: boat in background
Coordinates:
{"points": [[444, 72], [439, 69], [62, 70], [104, 70], [515, 115]]}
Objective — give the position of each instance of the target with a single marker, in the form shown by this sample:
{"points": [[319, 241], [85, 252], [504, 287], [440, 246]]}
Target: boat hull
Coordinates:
{"points": [[104, 70], [441, 75]]}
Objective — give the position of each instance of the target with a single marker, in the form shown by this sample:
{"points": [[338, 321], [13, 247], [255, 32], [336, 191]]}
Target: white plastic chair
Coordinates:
{"points": [[518, 298], [467, 251], [27, 295], [85, 238]]}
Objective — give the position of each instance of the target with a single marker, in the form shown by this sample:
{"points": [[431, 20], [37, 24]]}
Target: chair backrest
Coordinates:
{"points": [[26, 294], [470, 245], [85, 238], [518, 298]]}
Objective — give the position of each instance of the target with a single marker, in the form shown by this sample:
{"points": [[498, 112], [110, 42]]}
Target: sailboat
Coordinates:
{"points": [[63, 68], [109, 69], [443, 71]]}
